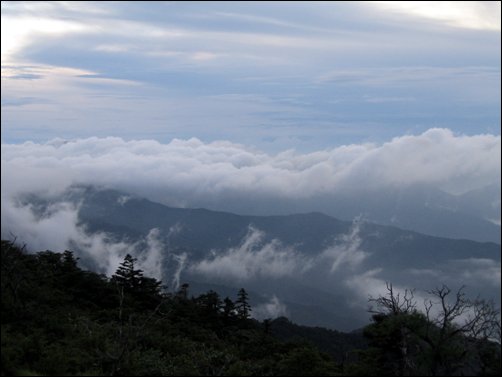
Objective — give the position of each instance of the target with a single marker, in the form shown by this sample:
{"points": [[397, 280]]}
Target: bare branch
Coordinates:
{"points": [[393, 303]]}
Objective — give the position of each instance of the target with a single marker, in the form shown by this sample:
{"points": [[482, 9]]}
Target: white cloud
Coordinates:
{"points": [[58, 228], [52, 230], [151, 259], [365, 285], [185, 172], [181, 260], [370, 285], [272, 309], [483, 15], [19, 32], [346, 249], [254, 259], [123, 199]]}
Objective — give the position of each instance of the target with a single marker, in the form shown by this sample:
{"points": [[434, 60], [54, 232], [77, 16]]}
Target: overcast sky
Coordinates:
{"points": [[272, 76]]}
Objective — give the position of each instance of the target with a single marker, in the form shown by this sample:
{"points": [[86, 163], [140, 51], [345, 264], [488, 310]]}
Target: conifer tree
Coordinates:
{"points": [[126, 276], [242, 305]]}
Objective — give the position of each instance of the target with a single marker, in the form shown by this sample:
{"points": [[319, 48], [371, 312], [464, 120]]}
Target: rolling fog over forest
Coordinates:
{"points": [[310, 152]]}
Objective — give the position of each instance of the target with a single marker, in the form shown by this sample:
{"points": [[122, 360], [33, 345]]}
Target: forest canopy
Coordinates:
{"points": [[58, 319]]}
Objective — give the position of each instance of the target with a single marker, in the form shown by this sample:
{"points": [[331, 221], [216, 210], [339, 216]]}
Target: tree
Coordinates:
{"points": [[391, 336], [211, 302], [130, 280], [459, 328], [242, 305], [394, 303], [69, 261], [65, 328], [452, 336], [305, 360], [126, 275]]}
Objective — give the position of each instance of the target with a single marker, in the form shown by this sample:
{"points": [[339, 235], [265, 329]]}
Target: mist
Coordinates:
{"points": [[253, 259]]}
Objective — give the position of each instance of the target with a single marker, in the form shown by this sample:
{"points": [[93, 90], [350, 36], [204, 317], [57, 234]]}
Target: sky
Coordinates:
{"points": [[273, 76]]}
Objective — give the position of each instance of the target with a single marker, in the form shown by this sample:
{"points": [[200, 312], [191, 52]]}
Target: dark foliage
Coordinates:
{"points": [[341, 346], [57, 319]]}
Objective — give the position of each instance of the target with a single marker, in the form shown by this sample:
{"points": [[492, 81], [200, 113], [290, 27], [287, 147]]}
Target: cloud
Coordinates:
{"points": [[272, 309], [406, 76], [253, 258], [473, 272], [346, 249], [181, 259], [342, 182], [20, 32], [56, 227], [482, 15], [194, 56], [256, 258], [365, 285], [151, 259], [50, 230], [370, 284], [479, 276], [191, 172]]}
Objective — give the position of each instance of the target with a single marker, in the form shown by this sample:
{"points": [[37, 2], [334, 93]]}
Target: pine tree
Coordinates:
{"points": [[242, 305], [69, 261], [126, 276], [146, 290]]}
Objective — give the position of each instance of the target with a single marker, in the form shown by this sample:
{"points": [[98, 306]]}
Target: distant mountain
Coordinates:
{"points": [[420, 208], [314, 268], [476, 203], [434, 212]]}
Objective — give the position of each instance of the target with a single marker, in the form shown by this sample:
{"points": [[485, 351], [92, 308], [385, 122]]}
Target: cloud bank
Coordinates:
{"points": [[400, 182], [187, 172]]}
